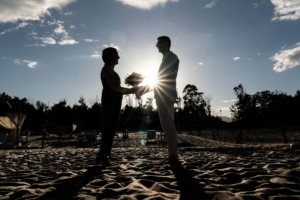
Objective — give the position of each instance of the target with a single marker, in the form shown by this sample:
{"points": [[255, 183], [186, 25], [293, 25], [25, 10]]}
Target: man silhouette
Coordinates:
{"points": [[165, 94]]}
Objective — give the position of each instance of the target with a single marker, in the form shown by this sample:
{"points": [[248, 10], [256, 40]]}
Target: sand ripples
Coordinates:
{"points": [[211, 170]]}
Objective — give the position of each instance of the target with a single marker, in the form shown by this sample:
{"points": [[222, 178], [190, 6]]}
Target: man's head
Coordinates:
{"points": [[163, 44]]}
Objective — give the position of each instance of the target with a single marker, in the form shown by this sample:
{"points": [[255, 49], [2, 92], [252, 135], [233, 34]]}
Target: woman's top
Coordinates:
{"points": [[108, 94]]}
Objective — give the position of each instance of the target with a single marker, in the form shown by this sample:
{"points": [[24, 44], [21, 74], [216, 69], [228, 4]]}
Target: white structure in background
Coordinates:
{"points": [[8, 136]]}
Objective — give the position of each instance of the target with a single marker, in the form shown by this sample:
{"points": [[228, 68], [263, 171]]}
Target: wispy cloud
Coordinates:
{"points": [[286, 9], [236, 58], [96, 55], [3, 58], [111, 45], [36, 45], [210, 5], [48, 40], [258, 54], [17, 61], [145, 4], [30, 64], [66, 39], [72, 27], [88, 40], [60, 29], [287, 59], [32, 33], [51, 23], [45, 40], [21, 25], [255, 5], [227, 101], [12, 11], [68, 13]]}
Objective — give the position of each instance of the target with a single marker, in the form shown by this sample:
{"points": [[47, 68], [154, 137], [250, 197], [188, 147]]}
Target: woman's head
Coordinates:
{"points": [[110, 56]]}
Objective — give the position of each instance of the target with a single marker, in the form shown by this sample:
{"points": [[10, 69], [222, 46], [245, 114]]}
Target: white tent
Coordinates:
{"points": [[10, 123]]}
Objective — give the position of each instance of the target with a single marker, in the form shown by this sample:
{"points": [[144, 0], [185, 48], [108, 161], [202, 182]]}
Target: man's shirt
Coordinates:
{"points": [[166, 77]]}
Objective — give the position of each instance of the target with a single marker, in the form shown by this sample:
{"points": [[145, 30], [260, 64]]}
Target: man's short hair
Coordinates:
{"points": [[165, 39], [108, 54]]}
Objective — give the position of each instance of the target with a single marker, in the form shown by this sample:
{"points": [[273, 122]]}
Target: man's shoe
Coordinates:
{"points": [[169, 162], [173, 162]]}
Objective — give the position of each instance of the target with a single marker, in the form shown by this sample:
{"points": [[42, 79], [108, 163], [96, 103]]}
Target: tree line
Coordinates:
{"points": [[263, 109], [193, 108], [266, 109]]}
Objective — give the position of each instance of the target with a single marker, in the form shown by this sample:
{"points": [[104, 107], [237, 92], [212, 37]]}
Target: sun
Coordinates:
{"points": [[150, 78], [149, 70]]}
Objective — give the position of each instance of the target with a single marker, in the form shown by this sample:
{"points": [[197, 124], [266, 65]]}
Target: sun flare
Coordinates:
{"points": [[150, 78], [149, 70]]}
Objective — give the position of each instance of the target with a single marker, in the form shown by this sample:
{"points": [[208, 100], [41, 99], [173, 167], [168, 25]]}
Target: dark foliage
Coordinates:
{"points": [[265, 109], [196, 111]]}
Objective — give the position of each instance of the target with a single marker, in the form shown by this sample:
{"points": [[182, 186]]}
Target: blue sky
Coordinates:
{"points": [[51, 50]]}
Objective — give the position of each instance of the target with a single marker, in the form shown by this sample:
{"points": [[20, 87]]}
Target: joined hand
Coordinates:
{"points": [[143, 89]]}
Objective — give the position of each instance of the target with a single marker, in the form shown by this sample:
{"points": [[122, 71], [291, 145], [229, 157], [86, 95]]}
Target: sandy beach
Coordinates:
{"points": [[209, 170]]}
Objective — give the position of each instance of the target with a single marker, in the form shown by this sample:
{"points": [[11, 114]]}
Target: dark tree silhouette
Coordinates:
{"points": [[265, 109], [194, 103], [141, 117]]}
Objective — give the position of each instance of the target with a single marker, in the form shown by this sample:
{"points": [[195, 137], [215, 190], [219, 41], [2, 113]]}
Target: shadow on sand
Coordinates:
{"points": [[189, 187], [69, 188]]}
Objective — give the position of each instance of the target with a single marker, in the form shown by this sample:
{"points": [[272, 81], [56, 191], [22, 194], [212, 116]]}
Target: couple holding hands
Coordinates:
{"points": [[164, 93]]}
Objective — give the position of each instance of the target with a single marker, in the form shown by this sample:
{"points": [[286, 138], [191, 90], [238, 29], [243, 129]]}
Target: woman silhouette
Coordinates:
{"points": [[111, 100]]}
